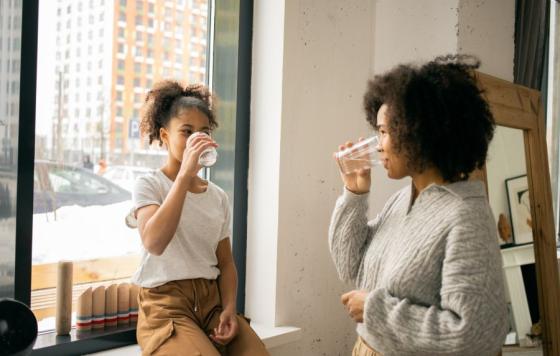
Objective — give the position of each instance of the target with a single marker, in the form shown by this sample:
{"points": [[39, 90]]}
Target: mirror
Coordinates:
{"points": [[508, 194], [518, 185]]}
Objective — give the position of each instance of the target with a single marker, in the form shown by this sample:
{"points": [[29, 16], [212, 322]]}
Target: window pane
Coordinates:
{"points": [[225, 87], [88, 147], [10, 39]]}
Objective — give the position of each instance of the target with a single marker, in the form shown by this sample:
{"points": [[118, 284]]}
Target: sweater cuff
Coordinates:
{"points": [[348, 196], [374, 309]]}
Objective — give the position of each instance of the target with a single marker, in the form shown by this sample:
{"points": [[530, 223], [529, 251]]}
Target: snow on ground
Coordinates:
{"points": [[81, 233], [7, 241]]}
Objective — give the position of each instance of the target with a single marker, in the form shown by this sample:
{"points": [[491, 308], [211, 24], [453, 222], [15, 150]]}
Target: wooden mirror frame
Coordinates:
{"points": [[519, 107]]}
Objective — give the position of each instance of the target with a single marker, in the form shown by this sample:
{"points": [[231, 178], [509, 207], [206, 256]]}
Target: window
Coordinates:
{"points": [[78, 190]]}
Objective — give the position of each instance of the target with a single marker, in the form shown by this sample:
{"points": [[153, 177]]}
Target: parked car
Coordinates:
{"points": [[125, 176], [57, 185]]}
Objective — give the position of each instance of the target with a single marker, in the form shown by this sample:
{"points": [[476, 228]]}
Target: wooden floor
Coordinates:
{"points": [[521, 351]]}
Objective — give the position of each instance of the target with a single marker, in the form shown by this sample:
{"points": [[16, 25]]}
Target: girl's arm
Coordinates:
{"points": [[227, 282], [228, 275], [158, 224]]}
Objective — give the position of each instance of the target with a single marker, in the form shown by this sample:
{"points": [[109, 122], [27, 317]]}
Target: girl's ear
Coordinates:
{"points": [[163, 135]]}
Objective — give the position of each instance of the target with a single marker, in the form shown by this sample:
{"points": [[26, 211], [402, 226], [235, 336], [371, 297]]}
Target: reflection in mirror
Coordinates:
{"points": [[508, 193], [507, 186]]}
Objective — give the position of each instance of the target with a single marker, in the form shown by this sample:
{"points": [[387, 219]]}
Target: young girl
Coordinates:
{"points": [[187, 273]]}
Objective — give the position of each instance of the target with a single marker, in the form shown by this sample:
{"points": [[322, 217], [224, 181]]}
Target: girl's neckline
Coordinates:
{"points": [[188, 192]]}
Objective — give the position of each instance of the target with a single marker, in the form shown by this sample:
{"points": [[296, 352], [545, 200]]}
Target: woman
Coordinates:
{"points": [[187, 274], [428, 268]]}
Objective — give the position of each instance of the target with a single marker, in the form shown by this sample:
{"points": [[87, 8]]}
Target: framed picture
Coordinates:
{"points": [[520, 209]]}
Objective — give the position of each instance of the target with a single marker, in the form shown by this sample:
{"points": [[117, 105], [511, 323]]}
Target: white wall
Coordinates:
{"points": [[486, 29], [311, 61], [266, 97], [327, 52], [413, 31]]}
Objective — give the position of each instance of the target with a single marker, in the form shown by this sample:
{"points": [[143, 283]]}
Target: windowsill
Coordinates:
{"points": [[83, 342], [121, 341], [277, 336]]}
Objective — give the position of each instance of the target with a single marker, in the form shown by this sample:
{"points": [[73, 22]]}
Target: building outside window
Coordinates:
{"points": [[110, 141]]}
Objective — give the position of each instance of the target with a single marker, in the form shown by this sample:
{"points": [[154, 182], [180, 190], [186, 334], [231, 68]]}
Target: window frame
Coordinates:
{"points": [[49, 343]]}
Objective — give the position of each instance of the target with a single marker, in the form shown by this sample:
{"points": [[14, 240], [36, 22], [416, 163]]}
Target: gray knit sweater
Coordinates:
{"points": [[433, 270]]}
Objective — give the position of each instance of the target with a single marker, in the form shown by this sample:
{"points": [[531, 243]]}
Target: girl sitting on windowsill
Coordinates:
{"points": [[187, 273]]}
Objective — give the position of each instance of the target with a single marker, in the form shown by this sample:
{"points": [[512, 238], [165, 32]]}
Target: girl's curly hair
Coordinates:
{"points": [[437, 116], [167, 99]]}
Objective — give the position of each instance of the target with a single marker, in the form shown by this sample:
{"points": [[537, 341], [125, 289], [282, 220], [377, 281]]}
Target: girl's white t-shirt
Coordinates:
{"points": [[191, 253]]}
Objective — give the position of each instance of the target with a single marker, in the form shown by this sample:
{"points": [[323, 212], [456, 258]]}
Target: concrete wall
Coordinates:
{"points": [[311, 61], [486, 29]]}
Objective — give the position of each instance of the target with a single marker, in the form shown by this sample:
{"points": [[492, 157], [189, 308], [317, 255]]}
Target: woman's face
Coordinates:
{"points": [[179, 129], [394, 163]]}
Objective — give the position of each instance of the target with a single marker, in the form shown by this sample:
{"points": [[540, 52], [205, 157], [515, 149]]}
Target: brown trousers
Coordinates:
{"points": [[363, 349], [177, 317]]}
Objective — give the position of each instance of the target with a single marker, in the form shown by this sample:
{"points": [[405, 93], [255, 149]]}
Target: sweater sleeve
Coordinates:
{"points": [[471, 319], [349, 233]]}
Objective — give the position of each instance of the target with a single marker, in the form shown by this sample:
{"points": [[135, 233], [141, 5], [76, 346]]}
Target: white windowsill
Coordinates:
{"points": [[271, 336]]}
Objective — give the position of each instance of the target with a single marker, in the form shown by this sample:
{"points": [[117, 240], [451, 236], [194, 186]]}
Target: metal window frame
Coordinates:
{"points": [[49, 343]]}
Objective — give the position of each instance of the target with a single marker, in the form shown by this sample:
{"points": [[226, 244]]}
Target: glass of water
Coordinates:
{"points": [[209, 156], [362, 155]]}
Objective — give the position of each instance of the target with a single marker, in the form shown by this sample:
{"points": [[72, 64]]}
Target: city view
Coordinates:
{"points": [[97, 59]]}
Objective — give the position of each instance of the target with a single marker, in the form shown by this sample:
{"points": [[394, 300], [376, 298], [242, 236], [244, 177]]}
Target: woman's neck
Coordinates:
{"points": [[429, 176]]}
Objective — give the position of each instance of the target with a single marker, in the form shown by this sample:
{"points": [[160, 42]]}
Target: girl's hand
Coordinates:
{"points": [[196, 144], [354, 302], [357, 182], [227, 329]]}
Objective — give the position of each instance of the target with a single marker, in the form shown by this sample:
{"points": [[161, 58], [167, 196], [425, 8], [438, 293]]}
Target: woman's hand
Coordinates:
{"points": [[354, 302], [357, 182], [227, 329], [194, 148]]}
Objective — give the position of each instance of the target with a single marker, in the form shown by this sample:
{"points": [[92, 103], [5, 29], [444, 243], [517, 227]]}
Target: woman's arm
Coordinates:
{"points": [[472, 316], [349, 232]]}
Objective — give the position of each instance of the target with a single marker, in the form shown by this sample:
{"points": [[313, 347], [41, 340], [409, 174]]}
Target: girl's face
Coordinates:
{"points": [[394, 163], [179, 129]]}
